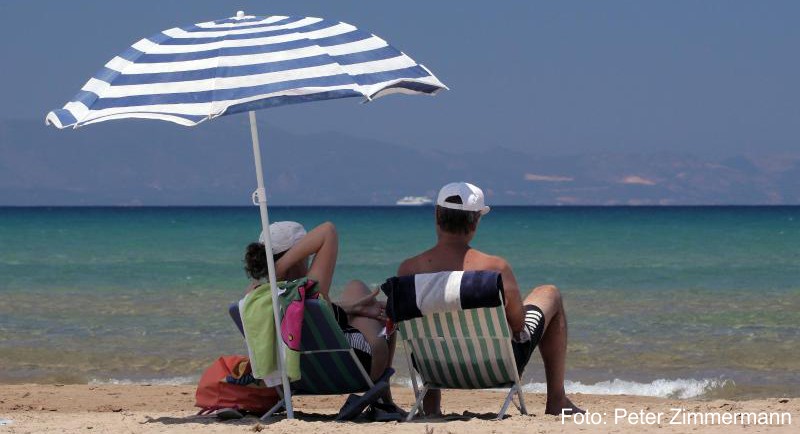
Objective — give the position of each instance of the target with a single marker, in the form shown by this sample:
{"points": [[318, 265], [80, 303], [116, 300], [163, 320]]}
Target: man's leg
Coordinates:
{"points": [[432, 403], [553, 346]]}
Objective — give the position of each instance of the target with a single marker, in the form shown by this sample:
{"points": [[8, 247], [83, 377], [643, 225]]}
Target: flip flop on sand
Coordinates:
{"points": [[380, 412], [228, 414], [356, 404]]}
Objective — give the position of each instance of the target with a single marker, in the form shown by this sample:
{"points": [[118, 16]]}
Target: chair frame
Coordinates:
{"points": [[514, 391], [281, 404]]}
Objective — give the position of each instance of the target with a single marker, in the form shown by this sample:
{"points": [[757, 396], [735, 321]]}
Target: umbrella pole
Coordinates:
{"points": [[262, 204]]}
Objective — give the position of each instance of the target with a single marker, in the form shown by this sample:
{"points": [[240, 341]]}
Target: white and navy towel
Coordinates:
{"points": [[421, 294]]}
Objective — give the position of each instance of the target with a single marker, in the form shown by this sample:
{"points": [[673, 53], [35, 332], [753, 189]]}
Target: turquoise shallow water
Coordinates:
{"points": [[705, 299]]}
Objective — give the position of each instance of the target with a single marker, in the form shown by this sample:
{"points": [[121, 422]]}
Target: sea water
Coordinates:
{"points": [[679, 301]]}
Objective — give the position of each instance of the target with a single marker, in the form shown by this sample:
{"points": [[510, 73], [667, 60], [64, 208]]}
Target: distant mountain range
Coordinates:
{"points": [[154, 163]]}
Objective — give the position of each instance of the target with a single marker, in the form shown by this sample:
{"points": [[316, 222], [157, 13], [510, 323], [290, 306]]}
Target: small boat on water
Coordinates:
{"points": [[414, 201]]}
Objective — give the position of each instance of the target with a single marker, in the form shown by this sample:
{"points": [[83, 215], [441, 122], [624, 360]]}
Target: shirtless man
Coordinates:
{"points": [[539, 319]]}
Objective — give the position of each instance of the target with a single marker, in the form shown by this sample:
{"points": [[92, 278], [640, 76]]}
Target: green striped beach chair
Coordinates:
{"points": [[468, 349], [328, 364]]}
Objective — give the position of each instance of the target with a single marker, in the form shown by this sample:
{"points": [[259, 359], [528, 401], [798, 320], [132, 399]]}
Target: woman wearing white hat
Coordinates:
{"points": [[361, 316]]}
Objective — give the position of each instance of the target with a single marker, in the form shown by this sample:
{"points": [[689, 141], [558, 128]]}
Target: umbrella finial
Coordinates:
{"points": [[240, 14]]}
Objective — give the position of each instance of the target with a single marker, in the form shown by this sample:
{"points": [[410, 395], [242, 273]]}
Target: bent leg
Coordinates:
{"points": [[382, 351], [369, 327], [553, 346]]}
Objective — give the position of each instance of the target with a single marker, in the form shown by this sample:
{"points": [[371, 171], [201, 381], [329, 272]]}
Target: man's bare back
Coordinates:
{"points": [[458, 257]]}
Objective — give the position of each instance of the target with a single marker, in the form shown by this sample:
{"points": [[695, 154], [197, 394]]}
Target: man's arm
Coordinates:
{"points": [[514, 311]]}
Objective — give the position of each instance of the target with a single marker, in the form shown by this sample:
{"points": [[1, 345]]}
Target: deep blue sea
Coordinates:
{"points": [[665, 301]]}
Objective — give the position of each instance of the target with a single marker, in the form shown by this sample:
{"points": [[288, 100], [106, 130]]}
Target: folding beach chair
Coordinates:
{"points": [[328, 364], [468, 349]]}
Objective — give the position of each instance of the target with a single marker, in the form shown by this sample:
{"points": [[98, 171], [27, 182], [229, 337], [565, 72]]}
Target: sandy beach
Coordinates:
{"points": [[139, 408]]}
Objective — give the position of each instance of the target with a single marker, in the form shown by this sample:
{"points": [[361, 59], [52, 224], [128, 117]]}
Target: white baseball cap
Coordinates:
{"points": [[283, 235], [471, 197]]}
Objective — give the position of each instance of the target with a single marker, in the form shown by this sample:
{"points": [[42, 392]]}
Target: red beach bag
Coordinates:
{"points": [[221, 387]]}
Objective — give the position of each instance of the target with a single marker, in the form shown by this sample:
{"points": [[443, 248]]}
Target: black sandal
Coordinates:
{"points": [[355, 404], [380, 412]]}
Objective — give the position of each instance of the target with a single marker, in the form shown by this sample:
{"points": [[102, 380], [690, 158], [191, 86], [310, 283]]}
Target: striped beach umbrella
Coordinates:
{"points": [[191, 74]]}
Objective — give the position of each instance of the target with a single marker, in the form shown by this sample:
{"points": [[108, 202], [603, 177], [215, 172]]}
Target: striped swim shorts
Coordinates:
{"points": [[534, 325]]}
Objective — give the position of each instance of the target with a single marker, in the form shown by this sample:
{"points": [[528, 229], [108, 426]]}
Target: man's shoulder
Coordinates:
{"points": [[410, 265], [486, 261], [425, 262]]}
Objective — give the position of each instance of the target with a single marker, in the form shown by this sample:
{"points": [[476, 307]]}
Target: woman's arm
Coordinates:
{"points": [[323, 243]]}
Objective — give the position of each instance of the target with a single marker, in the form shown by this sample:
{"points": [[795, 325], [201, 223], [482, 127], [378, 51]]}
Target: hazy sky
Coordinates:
{"points": [[713, 77]]}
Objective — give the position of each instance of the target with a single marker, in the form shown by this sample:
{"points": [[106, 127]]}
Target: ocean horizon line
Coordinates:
{"points": [[674, 206]]}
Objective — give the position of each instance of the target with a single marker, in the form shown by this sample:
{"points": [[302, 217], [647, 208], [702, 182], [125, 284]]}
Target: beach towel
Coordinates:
{"points": [[416, 295], [259, 328]]}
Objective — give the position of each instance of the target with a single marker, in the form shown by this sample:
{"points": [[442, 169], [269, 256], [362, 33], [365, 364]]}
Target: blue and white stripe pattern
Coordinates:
{"points": [[417, 295], [190, 74]]}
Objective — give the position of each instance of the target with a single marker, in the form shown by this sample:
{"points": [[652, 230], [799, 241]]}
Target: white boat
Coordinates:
{"points": [[414, 201]]}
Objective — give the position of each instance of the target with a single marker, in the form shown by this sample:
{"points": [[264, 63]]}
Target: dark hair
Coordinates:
{"points": [[456, 221], [255, 261]]}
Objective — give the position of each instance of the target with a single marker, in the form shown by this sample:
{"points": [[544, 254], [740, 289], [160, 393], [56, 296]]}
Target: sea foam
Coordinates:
{"points": [[663, 388], [681, 388], [170, 381]]}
